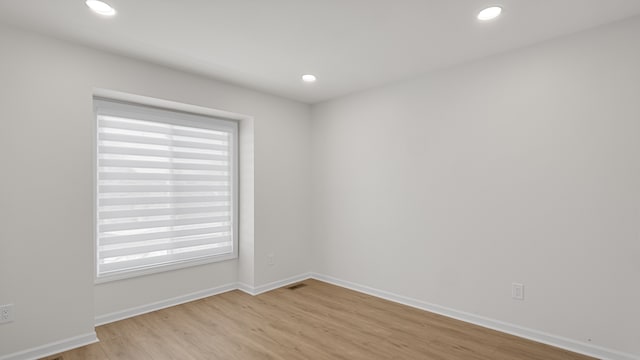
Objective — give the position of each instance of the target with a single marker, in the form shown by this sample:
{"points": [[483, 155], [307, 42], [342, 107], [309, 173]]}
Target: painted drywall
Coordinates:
{"points": [[46, 259], [522, 167]]}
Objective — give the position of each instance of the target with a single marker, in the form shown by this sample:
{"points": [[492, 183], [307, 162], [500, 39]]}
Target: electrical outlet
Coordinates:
{"points": [[517, 291], [6, 313], [271, 259]]}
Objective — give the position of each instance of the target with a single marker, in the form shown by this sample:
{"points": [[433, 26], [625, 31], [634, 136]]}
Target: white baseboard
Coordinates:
{"points": [[53, 348], [246, 288], [158, 305], [535, 335], [257, 290]]}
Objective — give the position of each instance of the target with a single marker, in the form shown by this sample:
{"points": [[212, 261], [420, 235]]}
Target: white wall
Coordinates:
{"points": [[46, 119], [446, 188], [522, 167]]}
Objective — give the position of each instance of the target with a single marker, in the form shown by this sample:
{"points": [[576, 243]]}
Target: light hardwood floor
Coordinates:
{"points": [[317, 321]]}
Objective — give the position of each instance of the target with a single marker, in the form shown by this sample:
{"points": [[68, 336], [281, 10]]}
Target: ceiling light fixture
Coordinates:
{"points": [[309, 78], [489, 13], [101, 7]]}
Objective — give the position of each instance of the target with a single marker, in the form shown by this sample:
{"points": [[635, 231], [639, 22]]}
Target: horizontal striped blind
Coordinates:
{"points": [[165, 188]]}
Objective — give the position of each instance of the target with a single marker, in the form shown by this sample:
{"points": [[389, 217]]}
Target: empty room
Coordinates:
{"points": [[335, 179]]}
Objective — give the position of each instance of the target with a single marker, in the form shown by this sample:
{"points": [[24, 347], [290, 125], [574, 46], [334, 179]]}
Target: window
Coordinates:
{"points": [[166, 189]]}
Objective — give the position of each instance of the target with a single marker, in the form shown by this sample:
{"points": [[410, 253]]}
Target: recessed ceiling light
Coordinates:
{"points": [[100, 7], [490, 13], [309, 78]]}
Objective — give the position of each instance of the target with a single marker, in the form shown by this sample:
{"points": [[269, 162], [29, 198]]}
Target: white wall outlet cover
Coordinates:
{"points": [[6, 313], [517, 291]]}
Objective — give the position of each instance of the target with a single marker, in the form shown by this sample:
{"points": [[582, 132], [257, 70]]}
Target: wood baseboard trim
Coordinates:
{"points": [[53, 347], [531, 334]]}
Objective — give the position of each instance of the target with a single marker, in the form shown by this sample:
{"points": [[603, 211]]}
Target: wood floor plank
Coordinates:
{"points": [[316, 322], [89, 352]]}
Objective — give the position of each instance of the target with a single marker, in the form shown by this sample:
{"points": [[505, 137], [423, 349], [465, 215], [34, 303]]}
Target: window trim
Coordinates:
{"points": [[157, 110]]}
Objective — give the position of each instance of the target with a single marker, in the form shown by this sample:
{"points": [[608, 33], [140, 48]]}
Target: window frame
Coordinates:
{"points": [[176, 116]]}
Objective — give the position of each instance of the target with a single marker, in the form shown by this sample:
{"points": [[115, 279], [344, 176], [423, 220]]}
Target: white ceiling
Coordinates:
{"points": [[349, 44]]}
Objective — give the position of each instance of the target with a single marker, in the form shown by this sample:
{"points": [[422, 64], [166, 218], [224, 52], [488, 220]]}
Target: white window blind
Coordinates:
{"points": [[166, 189]]}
